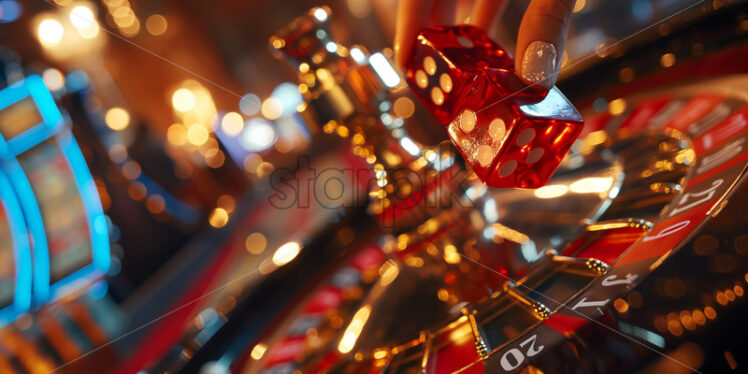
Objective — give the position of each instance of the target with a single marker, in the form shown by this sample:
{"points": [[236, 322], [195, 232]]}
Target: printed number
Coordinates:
{"points": [[700, 197], [613, 280], [725, 153], [587, 304], [672, 229], [513, 358]]}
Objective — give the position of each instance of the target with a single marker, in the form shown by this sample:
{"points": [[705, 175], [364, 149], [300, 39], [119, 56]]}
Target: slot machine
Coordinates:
{"points": [[59, 200], [55, 238]]}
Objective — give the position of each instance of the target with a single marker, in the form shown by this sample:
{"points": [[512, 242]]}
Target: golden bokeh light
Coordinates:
{"points": [[183, 100], [271, 108], [286, 253], [219, 217], [258, 351], [53, 78], [117, 118], [579, 5], [451, 255], [232, 123], [404, 107], [89, 32], [617, 107], [197, 135], [50, 31], [176, 134], [255, 243], [251, 162], [156, 24], [667, 60], [215, 158], [353, 331], [82, 17], [123, 16]]}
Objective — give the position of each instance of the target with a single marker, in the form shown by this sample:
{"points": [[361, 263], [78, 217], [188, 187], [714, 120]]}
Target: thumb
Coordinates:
{"points": [[541, 39]]}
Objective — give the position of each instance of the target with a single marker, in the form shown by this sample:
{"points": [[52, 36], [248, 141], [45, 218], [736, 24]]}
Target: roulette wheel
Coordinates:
{"points": [[630, 259]]}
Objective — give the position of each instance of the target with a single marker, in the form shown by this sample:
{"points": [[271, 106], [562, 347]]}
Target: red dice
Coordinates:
{"points": [[511, 134]]}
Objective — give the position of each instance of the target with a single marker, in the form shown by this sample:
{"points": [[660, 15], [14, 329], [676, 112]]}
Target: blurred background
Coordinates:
{"points": [[182, 113]]}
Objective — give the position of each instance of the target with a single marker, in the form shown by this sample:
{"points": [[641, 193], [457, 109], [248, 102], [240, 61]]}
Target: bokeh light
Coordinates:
{"points": [[183, 100], [9, 11], [617, 107], [197, 134], [156, 25], [53, 78], [232, 123], [289, 97], [286, 253], [82, 17], [177, 134], [255, 243], [117, 118], [50, 31], [250, 104], [404, 107], [219, 217], [272, 108], [258, 135]]}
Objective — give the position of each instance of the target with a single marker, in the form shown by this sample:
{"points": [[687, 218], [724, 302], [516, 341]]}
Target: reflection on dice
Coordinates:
{"points": [[511, 134]]}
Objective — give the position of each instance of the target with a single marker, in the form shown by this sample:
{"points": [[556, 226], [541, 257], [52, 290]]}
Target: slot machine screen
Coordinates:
{"points": [[62, 210], [7, 262], [19, 117]]}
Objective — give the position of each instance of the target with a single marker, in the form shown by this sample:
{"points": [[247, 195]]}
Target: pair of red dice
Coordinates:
{"points": [[511, 134]]}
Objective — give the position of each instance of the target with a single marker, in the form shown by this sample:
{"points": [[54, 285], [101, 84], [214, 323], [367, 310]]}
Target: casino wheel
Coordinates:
{"points": [[647, 197], [619, 283]]}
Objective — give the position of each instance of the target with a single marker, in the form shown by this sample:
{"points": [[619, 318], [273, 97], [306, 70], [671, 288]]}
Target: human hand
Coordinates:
{"points": [[540, 41]]}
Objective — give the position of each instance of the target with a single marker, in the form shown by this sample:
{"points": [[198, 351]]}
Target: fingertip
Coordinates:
{"points": [[412, 16], [538, 64], [541, 39], [403, 46], [400, 57]]}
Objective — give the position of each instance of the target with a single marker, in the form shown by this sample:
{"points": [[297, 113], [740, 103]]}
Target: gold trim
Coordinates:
{"points": [[634, 223], [480, 344], [538, 309]]}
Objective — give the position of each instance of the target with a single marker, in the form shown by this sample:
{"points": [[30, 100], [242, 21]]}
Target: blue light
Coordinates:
{"points": [[250, 104], [21, 252], [258, 135], [98, 290], [9, 11], [289, 96], [642, 10], [76, 80]]}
